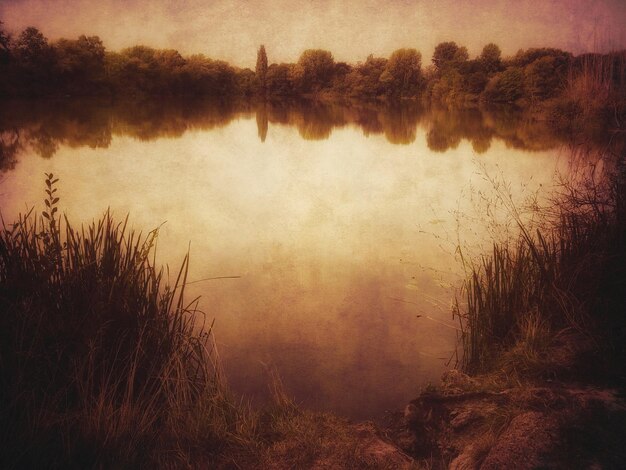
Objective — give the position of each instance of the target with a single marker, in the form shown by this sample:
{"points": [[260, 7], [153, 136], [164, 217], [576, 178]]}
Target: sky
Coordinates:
{"points": [[232, 30]]}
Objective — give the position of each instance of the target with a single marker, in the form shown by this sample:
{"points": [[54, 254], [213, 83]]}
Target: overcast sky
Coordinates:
{"points": [[351, 29]]}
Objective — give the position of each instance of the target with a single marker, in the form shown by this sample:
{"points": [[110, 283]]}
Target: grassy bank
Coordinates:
{"points": [[550, 304], [543, 336]]}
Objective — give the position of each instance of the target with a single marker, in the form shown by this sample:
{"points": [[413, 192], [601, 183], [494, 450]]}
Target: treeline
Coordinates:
{"points": [[32, 66]]}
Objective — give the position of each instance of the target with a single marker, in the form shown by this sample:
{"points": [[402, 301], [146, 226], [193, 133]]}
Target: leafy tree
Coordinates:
{"points": [[5, 79], [261, 68], [364, 79], [447, 53], [491, 58], [210, 77], [340, 73], [245, 81], [34, 62], [475, 82], [296, 74], [402, 74], [318, 68], [524, 58], [79, 63], [278, 81], [32, 48], [139, 71], [506, 87], [5, 45], [460, 56], [169, 64], [169, 59], [545, 77]]}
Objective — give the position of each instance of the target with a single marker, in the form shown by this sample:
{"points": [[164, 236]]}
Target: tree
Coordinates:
{"points": [[342, 70], [318, 68], [169, 59], [5, 69], [202, 75], [444, 54], [245, 79], [170, 69], [79, 63], [261, 68], [139, 71], [32, 48], [5, 44], [545, 77], [461, 55], [277, 82], [364, 79], [402, 74], [295, 75], [506, 87], [524, 58], [35, 61], [490, 58]]}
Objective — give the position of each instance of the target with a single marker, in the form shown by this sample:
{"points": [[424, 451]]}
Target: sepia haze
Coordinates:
{"points": [[232, 30]]}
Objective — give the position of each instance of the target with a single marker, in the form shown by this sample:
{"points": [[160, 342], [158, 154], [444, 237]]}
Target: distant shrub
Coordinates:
{"points": [[505, 87]]}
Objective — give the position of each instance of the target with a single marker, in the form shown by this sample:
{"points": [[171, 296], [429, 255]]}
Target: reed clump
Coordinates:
{"points": [[537, 305], [594, 97], [102, 363]]}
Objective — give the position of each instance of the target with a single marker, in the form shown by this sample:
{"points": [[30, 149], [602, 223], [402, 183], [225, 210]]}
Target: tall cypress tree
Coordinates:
{"points": [[261, 69]]}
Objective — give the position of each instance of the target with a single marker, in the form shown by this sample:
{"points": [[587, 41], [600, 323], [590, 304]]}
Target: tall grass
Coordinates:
{"points": [[554, 288], [595, 93], [102, 363]]}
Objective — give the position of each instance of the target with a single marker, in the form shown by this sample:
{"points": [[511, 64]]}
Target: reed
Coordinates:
{"points": [[532, 302], [102, 363], [594, 94]]}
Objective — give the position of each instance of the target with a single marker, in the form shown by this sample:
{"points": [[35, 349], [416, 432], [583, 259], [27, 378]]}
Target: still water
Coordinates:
{"points": [[337, 223]]}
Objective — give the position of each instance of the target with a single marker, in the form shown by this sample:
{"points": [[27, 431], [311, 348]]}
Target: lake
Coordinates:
{"points": [[334, 225]]}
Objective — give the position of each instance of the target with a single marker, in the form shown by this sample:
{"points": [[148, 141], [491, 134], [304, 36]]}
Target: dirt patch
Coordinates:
{"points": [[471, 423]]}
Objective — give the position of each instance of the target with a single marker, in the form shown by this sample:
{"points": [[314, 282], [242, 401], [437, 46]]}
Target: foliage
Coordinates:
{"points": [[526, 57], [506, 87], [490, 58], [364, 79], [5, 44], [545, 77], [78, 62], [318, 66], [402, 74], [31, 66], [444, 54], [261, 69], [32, 48]]}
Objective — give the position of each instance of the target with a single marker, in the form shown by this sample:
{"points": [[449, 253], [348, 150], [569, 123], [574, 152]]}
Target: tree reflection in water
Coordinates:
{"points": [[42, 127]]}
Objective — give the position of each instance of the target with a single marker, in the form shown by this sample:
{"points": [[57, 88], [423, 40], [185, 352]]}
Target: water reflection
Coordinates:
{"points": [[343, 239], [41, 127]]}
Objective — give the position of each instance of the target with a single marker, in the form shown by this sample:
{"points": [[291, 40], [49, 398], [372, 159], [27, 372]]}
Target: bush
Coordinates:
{"points": [[505, 87]]}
